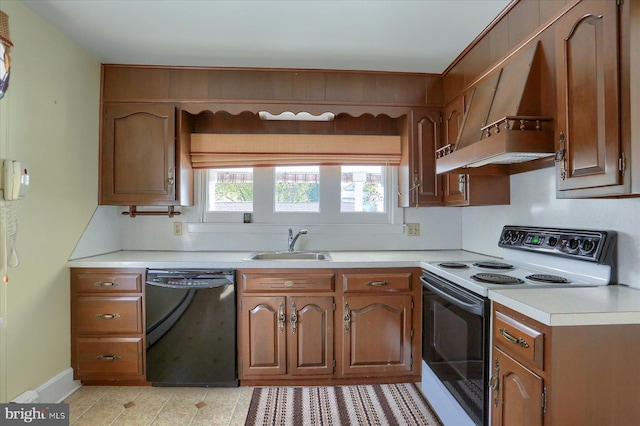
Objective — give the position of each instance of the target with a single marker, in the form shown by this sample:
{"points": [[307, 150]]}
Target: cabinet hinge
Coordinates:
{"points": [[411, 362], [333, 363], [412, 333], [544, 400], [411, 303], [334, 306], [619, 3], [622, 163]]}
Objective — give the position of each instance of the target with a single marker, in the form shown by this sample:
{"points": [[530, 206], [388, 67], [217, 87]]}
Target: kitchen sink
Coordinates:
{"points": [[290, 255]]}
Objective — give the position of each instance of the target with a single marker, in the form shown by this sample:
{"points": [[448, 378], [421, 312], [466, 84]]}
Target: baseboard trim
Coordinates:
{"points": [[58, 388]]}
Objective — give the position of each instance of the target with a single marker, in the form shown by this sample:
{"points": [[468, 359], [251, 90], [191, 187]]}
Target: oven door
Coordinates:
{"points": [[456, 342]]}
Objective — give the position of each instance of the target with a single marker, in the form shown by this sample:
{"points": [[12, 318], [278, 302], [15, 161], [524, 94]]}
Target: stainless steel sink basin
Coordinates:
{"points": [[290, 255]]}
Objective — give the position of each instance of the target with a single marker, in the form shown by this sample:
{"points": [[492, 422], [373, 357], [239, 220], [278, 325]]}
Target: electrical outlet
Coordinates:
{"points": [[413, 229], [177, 228]]}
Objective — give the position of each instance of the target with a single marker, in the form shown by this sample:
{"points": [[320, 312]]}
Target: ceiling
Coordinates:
{"points": [[377, 35]]}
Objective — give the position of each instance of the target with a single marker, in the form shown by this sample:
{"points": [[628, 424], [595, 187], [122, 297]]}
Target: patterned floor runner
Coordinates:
{"points": [[395, 404]]}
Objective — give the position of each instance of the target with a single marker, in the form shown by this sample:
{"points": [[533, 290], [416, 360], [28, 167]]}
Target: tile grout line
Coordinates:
{"points": [[162, 408], [89, 408]]}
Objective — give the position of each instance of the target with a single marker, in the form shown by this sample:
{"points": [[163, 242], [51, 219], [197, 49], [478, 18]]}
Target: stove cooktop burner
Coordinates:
{"points": [[453, 265], [497, 279], [493, 265], [545, 278]]}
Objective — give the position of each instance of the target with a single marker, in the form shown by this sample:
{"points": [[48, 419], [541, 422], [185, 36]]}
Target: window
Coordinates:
{"points": [[297, 189], [230, 190], [301, 195], [362, 189]]}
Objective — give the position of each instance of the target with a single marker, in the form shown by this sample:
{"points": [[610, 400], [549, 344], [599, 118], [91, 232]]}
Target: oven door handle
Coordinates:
{"points": [[477, 309]]}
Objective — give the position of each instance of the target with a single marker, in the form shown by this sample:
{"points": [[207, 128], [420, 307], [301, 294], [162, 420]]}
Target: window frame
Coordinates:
{"points": [[330, 179]]}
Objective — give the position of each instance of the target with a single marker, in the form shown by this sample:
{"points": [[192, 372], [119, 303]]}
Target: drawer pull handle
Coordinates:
{"points": [[494, 382], [294, 318], [281, 318], [108, 316], [378, 283], [347, 318], [288, 283], [517, 340], [109, 357], [107, 284]]}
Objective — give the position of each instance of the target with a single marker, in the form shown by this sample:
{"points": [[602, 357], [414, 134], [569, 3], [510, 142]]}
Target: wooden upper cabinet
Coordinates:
{"points": [[424, 185], [454, 184], [139, 161], [588, 94]]}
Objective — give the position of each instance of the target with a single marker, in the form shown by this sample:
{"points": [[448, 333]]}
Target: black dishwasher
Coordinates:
{"points": [[191, 327]]}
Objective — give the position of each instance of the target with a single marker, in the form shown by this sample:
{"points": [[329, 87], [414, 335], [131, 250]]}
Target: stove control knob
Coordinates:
{"points": [[588, 246], [574, 243], [552, 241], [507, 237]]}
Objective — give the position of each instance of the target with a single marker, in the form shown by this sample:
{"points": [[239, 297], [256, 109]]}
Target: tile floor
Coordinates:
{"points": [[137, 406]]}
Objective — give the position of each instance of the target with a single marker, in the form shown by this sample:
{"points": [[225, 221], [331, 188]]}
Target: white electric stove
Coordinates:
{"points": [[456, 309], [542, 257]]}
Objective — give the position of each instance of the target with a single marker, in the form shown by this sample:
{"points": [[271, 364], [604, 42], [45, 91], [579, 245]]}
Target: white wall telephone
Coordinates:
{"points": [[15, 180]]}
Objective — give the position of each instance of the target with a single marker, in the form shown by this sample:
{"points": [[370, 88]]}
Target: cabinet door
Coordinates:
{"points": [[588, 97], [516, 397], [376, 334], [263, 334], [455, 187], [425, 186], [138, 155], [311, 335]]}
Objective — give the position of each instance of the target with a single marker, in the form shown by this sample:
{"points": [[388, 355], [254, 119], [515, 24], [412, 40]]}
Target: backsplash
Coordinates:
{"points": [[533, 202]]}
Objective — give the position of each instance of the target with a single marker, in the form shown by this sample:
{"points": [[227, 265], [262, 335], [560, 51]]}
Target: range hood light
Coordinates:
{"points": [[301, 116]]}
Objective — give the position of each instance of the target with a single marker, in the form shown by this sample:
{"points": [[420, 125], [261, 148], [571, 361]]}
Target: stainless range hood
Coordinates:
{"points": [[502, 125]]}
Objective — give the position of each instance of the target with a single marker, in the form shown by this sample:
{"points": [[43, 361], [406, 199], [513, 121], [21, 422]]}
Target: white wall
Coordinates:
{"points": [[534, 203], [49, 119]]}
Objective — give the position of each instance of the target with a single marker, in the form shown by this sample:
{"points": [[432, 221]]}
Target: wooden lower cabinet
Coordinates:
{"points": [[292, 330], [107, 325], [286, 335], [518, 398], [376, 335], [562, 375]]}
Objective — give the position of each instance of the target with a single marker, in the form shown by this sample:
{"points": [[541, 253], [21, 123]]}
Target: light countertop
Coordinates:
{"points": [[235, 260], [613, 304]]}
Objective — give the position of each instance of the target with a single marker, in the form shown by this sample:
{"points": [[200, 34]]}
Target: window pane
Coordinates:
{"points": [[297, 189], [362, 189], [230, 190]]}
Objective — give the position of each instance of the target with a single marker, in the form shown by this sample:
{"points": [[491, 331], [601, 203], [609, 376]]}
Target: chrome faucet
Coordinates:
{"points": [[292, 239]]}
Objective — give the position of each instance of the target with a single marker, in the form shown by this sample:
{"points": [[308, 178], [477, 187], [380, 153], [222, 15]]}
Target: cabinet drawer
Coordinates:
{"points": [[104, 281], [393, 281], [519, 340], [108, 357], [109, 315], [265, 282]]}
